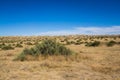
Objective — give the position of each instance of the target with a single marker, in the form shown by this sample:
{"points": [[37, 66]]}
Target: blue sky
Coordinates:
{"points": [[56, 17]]}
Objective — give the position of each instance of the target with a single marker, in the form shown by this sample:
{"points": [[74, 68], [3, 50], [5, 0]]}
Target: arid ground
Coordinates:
{"points": [[100, 62]]}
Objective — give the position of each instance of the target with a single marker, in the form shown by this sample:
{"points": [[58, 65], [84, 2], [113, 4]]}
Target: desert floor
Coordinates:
{"points": [[93, 63]]}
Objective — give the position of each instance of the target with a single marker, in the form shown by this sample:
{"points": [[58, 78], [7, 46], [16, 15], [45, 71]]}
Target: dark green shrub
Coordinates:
{"points": [[47, 47], [62, 40], [72, 42], [18, 45], [13, 44], [78, 40], [21, 42], [7, 47], [111, 43], [2, 44], [23, 55], [29, 43], [68, 43], [78, 43], [94, 44]]}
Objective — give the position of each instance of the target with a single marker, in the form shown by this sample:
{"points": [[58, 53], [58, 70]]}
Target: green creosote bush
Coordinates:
{"points": [[47, 47], [2, 44], [78, 43], [111, 43], [94, 44], [29, 43], [7, 47], [70, 42], [18, 45]]}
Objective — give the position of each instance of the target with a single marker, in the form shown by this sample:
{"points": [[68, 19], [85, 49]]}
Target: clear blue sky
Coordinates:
{"points": [[31, 17]]}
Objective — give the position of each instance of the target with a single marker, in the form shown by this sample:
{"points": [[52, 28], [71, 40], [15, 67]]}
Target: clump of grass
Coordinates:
{"points": [[47, 47], [7, 47], [111, 43], [94, 44], [21, 56]]}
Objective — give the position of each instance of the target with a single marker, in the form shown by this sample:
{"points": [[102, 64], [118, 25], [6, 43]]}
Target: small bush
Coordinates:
{"points": [[78, 43], [29, 43], [21, 42], [68, 42], [47, 47], [7, 47], [2, 44], [111, 43], [94, 44], [18, 45], [78, 40]]}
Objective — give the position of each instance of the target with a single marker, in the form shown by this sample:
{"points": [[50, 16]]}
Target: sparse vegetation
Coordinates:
{"points": [[18, 45], [111, 43], [29, 43], [7, 47], [2, 44], [94, 44], [47, 47], [43, 58]]}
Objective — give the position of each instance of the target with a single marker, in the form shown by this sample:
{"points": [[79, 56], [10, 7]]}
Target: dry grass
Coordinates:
{"points": [[88, 63]]}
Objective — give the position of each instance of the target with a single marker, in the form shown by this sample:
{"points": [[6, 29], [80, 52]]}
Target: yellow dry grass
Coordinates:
{"points": [[89, 63]]}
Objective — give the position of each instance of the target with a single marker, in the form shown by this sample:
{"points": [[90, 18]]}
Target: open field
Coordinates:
{"points": [[89, 61]]}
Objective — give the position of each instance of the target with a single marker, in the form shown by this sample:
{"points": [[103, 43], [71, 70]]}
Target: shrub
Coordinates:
{"points": [[94, 44], [21, 42], [70, 42], [2, 44], [78, 43], [111, 43], [29, 43], [78, 40], [47, 47], [62, 40], [18, 45], [7, 47]]}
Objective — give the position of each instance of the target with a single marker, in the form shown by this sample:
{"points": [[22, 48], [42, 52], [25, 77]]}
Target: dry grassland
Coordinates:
{"points": [[88, 63]]}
